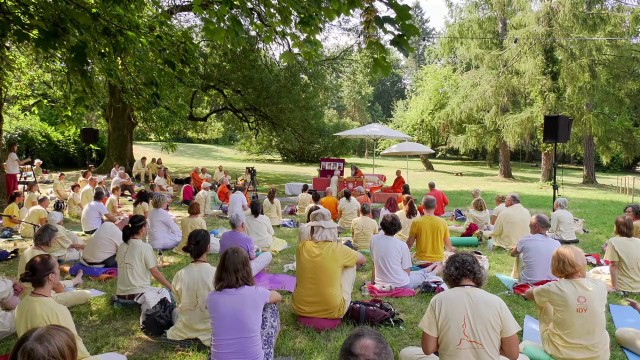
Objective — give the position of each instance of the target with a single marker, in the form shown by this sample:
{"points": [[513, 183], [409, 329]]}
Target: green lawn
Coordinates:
{"points": [[104, 328]]}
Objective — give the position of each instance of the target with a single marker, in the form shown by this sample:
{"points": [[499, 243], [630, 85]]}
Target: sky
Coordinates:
{"points": [[435, 9]]}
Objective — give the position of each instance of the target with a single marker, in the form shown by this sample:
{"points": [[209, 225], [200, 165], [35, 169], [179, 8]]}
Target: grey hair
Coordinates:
{"points": [[365, 209], [158, 200], [542, 221], [329, 191], [562, 203], [429, 202], [515, 198], [236, 219]]}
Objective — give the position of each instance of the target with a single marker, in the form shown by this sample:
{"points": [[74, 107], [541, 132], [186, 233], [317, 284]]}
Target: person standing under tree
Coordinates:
{"points": [[12, 167]]}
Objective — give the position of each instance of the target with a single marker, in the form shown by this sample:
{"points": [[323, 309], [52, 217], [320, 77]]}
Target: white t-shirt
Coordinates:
{"points": [[390, 257], [91, 218], [236, 202], [117, 181], [536, 251], [103, 244], [160, 181], [13, 166], [498, 209]]}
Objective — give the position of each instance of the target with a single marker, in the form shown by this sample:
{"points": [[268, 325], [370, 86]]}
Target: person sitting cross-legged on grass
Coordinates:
{"points": [[101, 250], [363, 228], [12, 211], [534, 252], [330, 203], [259, 228], [315, 201], [189, 224], [74, 205], [562, 224], [164, 233], [38, 309], [304, 199], [326, 272], [36, 215], [244, 317], [136, 262], [190, 285], [407, 215], [623, 252], [430, 233], [466, 322], [572, 309], [141, 204], [512, 224], [392, 260], [272, 208], [348, 210], [238, 237]]}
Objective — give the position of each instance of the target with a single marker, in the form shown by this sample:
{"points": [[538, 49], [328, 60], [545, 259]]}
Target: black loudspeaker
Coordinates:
{"points": [[557, 129], [89, 136]]}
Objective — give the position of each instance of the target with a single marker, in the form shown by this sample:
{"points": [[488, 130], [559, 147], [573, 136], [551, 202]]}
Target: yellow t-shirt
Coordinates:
{"points": [[578, 328], [11, 209], [362, 229], [330, 203], [636, 229], [73, 204], [134, 261], [348, 211], [304, 200], [86, 195], [59, 190], [187, 225], [141, 208], [30, 199], [34, 312], [626, 251], [319, 266], [469, 323], [273, 211], [430, 232], [27, 255], [403, 234], [33, 216], [191, 286], [112, 205], [153, 168], [511, 225]]}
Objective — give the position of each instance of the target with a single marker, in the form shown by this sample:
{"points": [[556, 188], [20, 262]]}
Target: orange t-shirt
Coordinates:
{"points": [[224, 194], [196, 180], [330, 203]]}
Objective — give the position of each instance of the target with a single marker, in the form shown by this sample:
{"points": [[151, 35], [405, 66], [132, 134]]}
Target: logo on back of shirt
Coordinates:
{"points": [[466, 342], [581, 307]]}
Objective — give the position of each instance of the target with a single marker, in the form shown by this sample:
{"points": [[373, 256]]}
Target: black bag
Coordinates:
{"points": [[374, 312], [158, 319]]}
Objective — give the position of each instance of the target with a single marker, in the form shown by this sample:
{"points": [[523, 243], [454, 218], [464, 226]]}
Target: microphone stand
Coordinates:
{"points": [[35, 226]]}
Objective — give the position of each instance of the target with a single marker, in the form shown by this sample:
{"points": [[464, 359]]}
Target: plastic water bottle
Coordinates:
{"points": [[365, 288]]}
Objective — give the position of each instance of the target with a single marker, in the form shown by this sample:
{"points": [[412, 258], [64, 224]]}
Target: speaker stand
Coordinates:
{"points": [[555, 172]]}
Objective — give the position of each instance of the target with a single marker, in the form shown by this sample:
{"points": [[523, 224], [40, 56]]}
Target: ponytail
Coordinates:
{"points": [[136, 223], [347, 194], [410, 209], [197, 243], [271, 195], [37, 269]]}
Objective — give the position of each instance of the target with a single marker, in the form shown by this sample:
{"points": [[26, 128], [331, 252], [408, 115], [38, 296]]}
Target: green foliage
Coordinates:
{"points": [[56, 147]]}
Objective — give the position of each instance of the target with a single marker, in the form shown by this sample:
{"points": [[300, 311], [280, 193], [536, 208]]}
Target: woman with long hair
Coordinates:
{"points": [[261, 231], [272, 209], [31, 197], [191, 285], [136, 261], [390, 207], [39, 309], [407, 215], [141, 204], [244, 318]]}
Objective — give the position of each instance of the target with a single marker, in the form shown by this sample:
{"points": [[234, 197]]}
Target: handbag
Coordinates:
{"points": [[158, 319], [374, 312]]}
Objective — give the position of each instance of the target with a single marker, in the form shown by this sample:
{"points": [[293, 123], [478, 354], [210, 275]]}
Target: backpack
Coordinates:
{"points": [[156, 320], [432, 287], [374, 312]]}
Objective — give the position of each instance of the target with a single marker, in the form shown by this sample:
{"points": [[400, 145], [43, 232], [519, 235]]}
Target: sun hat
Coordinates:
{"points": [[54, 217], [206, 185], [322, 227]]}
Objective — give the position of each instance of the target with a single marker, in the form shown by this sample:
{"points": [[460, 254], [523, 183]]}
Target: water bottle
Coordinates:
{"points": [[365, 288]]}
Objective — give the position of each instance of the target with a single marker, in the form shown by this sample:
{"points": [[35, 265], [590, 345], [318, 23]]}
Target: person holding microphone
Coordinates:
{"points": [[12, 167]]}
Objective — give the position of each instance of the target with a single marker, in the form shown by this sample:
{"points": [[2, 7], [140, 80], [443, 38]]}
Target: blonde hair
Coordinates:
{"points": [[478, 204], [568, 261], [52, 342]]}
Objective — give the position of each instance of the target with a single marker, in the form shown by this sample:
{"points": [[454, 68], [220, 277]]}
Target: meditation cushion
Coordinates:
{"points": [[319, 324], [99, 273]]}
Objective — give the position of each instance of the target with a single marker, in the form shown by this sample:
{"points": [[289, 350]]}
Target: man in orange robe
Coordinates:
{"points": [[196, 180], [397, 184], [223, 192]]}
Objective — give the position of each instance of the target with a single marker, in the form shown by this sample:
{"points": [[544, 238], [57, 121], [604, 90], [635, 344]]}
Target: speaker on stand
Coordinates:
{"points": [[89, 136], [556, 129]]}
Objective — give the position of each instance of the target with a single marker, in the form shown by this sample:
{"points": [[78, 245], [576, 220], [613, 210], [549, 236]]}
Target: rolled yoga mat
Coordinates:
{"points": [[464, 241]]}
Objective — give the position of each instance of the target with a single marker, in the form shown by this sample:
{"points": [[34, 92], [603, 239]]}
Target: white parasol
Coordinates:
{"points": [[374, 132], [408, 149]]}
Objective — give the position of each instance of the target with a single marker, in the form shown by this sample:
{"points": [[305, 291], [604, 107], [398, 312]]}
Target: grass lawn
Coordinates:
{"points": [[104, 328]]}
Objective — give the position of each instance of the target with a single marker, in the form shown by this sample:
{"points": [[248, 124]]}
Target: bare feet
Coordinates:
{"points": [[78, 279]]}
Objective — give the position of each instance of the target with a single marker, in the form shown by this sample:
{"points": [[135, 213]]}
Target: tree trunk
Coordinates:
{"points": [[505, 161], [589, 162], [426, 162], [546, 168], [121, 124], [3, 194]]}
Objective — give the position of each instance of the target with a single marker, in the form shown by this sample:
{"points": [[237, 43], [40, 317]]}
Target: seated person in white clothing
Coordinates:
{"points": [[124, 183], [237, 201], [163, 184], [10, 291], [535, 251], [164, 233], [101, 250], [562, 225], [95, 212], [466, 322], [392, 260], [140, 169]]}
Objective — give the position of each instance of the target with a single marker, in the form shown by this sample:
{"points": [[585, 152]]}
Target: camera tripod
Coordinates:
{"points": [[23, 177], [253, 184]]}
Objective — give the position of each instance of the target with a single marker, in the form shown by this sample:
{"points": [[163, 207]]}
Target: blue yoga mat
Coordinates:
{"points": [[625, 317], [507, 281]]}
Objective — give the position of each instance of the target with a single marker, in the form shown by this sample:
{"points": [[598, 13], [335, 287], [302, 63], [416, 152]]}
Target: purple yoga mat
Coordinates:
{"points": [[276, 281]]}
